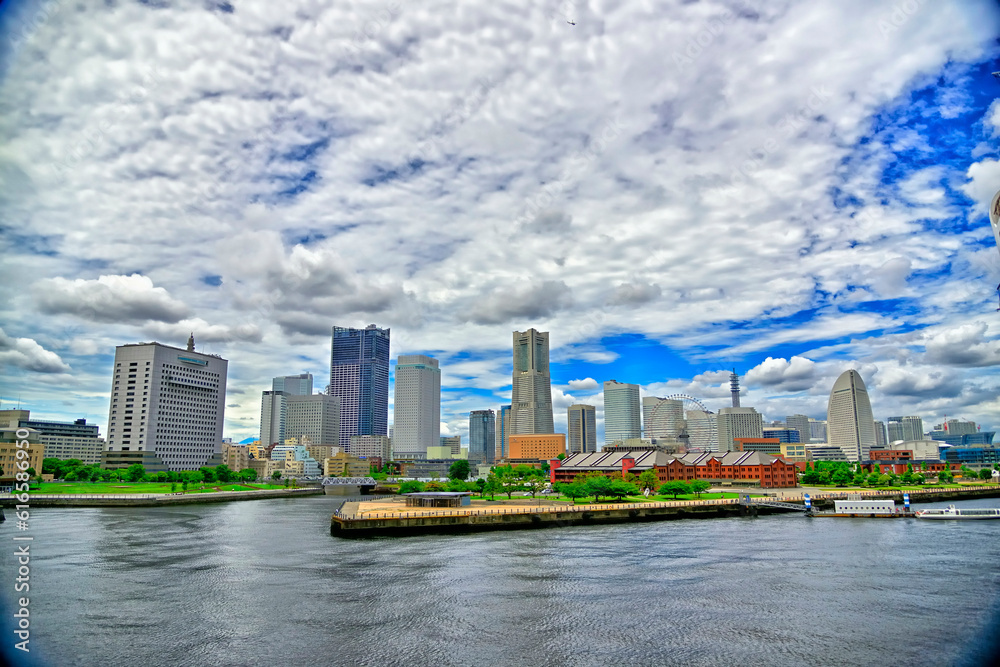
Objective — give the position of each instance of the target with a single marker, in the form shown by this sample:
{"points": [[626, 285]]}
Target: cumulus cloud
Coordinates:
{"points": [[918, 383], [26, 354], [533, 302], [795, 374], [635, 293], [964, 345], [110, 298], [584, 384], [203, 332]]}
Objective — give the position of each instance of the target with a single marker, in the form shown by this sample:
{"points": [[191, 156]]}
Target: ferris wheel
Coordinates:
{"points": [[689, 401]]}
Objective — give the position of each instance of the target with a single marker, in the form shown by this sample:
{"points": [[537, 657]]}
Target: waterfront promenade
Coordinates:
{"points": [[392, 517]]}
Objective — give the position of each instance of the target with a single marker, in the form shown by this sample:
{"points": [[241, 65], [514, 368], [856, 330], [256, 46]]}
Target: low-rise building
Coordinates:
{"points": [[793, 451], [10, 438], [372, 447], [766, 445], [346, 464], [735, 468]]}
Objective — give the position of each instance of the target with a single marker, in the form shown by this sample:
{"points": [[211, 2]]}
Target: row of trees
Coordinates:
{"points": [[842, 473], [74, 470]]}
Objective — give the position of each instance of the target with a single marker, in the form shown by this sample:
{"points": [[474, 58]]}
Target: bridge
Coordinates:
{"points": [[349, 481]]}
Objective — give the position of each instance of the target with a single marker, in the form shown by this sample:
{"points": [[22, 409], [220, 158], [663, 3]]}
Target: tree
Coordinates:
{"points": [[184, 486], [907, 477], [492, 484], [841, 477], [509, 481], [859, 478], [223, 473], [873, 477], [699, 486], [459, 470], [50, 466], [986, 474], [621, 488], [207, 474], [534, 484], [135, 472], [173, 487], [599, 486], [572, 490], [411, 486], [276, 475], [648, 479], [811, 476], [481, 486], [885, 480], [561, 457], [674, 489], [248, 474]]}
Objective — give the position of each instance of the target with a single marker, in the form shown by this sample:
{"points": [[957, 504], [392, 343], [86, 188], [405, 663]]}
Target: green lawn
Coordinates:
{"points": [[142, 487], [915, 487]]}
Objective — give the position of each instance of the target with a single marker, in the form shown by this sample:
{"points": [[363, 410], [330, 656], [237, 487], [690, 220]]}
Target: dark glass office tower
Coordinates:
{"points": [[359, 375]]}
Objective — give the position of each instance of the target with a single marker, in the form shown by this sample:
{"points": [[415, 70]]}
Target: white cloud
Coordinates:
{"points": [[795, 374], [26, 354], [584, 384], [109, 299]]}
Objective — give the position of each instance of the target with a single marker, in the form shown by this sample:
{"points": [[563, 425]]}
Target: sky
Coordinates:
{"points": [[672, 189]]}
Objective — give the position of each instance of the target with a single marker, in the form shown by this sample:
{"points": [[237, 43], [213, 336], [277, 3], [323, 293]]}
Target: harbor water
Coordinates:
{"points": [[264, 583]]}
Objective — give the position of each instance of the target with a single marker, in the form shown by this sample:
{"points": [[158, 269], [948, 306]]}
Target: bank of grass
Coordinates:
{"points": [[833, 488], [53, 488], [588, 500]]}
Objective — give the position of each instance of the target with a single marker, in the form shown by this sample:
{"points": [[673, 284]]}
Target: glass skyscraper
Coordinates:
{"points": [[482, 436], [359, 376]]}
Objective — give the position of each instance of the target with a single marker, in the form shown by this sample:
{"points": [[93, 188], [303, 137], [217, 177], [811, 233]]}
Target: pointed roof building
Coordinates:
{"points": [[849, 416]]}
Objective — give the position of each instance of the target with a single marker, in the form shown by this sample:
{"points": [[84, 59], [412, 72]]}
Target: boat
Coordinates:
{"points": [[967, 513]]}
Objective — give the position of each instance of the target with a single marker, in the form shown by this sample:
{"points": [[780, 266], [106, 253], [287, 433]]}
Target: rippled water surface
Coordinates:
{"points": [[263, 583]]}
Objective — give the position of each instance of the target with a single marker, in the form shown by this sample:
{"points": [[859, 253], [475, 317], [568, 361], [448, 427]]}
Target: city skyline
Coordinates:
{"points": [[835, 221]]}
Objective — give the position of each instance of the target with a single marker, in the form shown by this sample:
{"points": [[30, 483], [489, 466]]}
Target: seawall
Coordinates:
{"points": [[347, 523], [154, 499]]}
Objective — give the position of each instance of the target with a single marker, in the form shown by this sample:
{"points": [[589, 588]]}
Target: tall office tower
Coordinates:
{"points": [[622, 414], [294, 385], [906, 428], [531, 397], [167, 407], [662, 417], [801, 424], [953, 427], [817, 430], [359, 376], [581, 424], [416, 420], [881, 437], [734, 388], [738, 423], [503, 432], [313, 416], [273, 417], [482, 436], [703, 431], [849, 416]]}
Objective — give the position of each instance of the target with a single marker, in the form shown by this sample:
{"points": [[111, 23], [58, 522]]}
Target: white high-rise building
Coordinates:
{"points": [[849, 416], [273, 417], [703, 431], [905, 428], [416, 406], [662, 417], [167, 407], [531, 395], [314, 416], [881, 439], [735, 423], [801, 424], [294, 385], [622, 414]]}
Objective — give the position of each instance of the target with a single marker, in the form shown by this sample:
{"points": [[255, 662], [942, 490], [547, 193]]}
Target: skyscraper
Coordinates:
{"points": [[738, 423], [622, 416], [359, 376], [482, 436], [167, 407], [294, 385], [273, 417], [849, 416], [906, 428], [416, 420], [503, 432], [703, 431], [801, 424], [881, 439], [662, 417], [581, 422], [531, 396], [313, 416]]}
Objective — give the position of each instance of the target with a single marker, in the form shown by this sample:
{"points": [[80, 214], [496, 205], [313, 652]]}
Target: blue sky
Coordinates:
{"points": [[672, 191]]}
